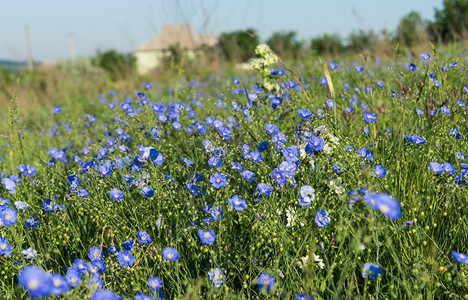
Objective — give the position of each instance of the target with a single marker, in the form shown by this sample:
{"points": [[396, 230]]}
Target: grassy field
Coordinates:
{"points": [[328, 180]]}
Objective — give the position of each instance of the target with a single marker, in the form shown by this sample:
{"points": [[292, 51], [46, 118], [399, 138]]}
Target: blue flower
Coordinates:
{"points": [[187, 161], [278, 176], [238, 203], [317, 143], [380, 171], [128, 245], [207, 237], [104, 170], [147, 192], [425, 56], [32, 223], [412, 67], [217, 213], [448, 168], [29, 253], [113, 249], [445, 110], [384, 203], [369, 117], [95, 253], [21, 205], [117, 195], [9, 185], [365, 153], [321, 218], [460, 156], [170, 254], [307, 194], [59, 285], [304, 113], [57, 109], [215, 162], [371, 270], [36, 281], [126, 259], [264, 189], [82, 193], [73, 277], [436, 167], [218, 180], [5, 247], [459, 257], [271, 129], [248, 175], [200, 127], [8, 216], [262, 146], [101, 294], [144, 237], [155, 283], [303, 297], [217, 277], [264, 280], [291, 154], [288, 168], [255, 156]]}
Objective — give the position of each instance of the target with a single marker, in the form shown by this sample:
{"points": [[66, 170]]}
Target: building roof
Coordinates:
{"points": [[180, 34]]}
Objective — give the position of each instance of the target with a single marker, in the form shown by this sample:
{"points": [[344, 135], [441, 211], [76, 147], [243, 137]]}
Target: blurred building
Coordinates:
{"points": [[178, 37]]}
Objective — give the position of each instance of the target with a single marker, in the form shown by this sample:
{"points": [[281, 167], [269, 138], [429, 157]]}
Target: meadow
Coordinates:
{"points": [[331, 180]]}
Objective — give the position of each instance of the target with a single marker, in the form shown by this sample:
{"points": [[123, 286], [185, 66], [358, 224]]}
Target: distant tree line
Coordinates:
{"points": [[450, 24]]}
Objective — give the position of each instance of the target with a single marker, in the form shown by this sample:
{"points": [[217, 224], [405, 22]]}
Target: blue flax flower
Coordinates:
{"points": [[126, 259], [95, 253], [317, 143], [265, 280], [170, 254], [264, 189], [321, 218], [117, 195], [271, 129], [380, 171], [207, 237], [371, 270], [218, 180], [460, 257], [144, 237], [155, 283], [248, 175], [384, 203], [217, 277], [8, 216], [5, 247], [369, 117], [36, 281], [147, 192], [238, 203]]}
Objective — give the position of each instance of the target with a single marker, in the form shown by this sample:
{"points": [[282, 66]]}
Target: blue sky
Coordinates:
{"points": [[124, 25]]}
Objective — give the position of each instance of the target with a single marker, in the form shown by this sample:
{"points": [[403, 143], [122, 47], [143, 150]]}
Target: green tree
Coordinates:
{"points": [[239, 45], [327, 44], [451, 22], [285, 44], [117, 65], [362, 41], [411, 30]]}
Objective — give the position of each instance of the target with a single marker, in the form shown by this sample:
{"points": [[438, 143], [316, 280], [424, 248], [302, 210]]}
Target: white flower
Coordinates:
{"points": [[327, 149], [291, 214], [319, 260], [304, 261]]}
